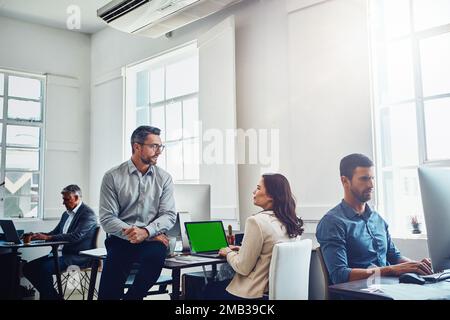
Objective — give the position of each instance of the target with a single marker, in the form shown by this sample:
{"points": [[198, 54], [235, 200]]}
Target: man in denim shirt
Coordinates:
{"points": [[354, 239]]}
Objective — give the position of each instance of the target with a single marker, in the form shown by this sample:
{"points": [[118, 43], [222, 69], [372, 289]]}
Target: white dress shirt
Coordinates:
{"points": [[71, 214]]}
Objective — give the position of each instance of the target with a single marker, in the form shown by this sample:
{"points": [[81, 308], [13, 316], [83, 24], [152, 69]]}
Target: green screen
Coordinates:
{"points": [[206, 236]]}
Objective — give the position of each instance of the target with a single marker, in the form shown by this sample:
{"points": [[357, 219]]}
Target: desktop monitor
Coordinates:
{"points": [[435, 190], [195, 199], [193, 203]]}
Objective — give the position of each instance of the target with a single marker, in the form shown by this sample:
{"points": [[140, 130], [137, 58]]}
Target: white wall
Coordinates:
{"points": [[329, 86], [65, 56]]}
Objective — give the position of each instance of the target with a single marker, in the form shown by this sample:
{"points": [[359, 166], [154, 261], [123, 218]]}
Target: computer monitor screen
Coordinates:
{"points": [[195, 199], [206, 236], [435, 190], [193, 203]]}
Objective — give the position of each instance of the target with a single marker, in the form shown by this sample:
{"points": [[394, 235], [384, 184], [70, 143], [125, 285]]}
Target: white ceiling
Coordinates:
{"points": [[53, 13]]}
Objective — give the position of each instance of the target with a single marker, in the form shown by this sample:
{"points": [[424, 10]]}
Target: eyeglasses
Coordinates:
{"points": [[154, 146]]}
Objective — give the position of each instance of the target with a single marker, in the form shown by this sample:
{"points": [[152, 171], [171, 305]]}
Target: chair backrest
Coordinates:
{"points": [[318, 277], [94, 243], [289, 270]]}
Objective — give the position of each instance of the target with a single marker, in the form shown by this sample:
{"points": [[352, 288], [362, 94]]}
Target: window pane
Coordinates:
{"points": [[2, 83], [431, 13], [435, 53], [21, 184], [142, 88], [182, 77], [396, 18], [25, 110], [173, 121], [157, 120], [190, 118], [400, 83], [142, 116], [24, 87], [174, 156], [21, 207], [22, 159], [403, 183], [1, 132], [157, 85], [437, 115], [191, 159], [399, 135], [1, 108], [22, 136], [162, 160]]}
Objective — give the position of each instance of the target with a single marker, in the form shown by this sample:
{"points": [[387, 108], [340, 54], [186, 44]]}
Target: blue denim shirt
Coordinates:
{"points": [[348, 240]]}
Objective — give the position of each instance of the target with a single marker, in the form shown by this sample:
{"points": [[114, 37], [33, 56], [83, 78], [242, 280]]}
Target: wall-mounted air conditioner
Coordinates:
{"points": [[154, 18]]}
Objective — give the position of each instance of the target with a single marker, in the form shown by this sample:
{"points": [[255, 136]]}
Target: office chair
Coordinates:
{"points": [[80, 283], [289, 270], [162, 282], [318, 277], [324, 270]]}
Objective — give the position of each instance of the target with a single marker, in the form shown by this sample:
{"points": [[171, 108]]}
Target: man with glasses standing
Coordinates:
{"points": [[137, 207]]}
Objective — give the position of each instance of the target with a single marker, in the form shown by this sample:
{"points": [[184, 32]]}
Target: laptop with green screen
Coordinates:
{"points": [[206, 238]]}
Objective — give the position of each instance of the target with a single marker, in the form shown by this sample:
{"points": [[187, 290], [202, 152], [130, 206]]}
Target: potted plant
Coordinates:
{"points": [[415, 225]]}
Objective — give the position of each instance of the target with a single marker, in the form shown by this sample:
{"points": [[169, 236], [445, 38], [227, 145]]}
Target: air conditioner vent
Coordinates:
{"points": [[153, 18]]}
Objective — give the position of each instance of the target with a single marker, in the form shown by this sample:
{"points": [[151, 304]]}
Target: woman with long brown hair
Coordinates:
{"points": [[277, 222]]}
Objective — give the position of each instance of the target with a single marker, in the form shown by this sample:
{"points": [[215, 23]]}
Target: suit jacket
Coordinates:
{"points": [[80, 235]]}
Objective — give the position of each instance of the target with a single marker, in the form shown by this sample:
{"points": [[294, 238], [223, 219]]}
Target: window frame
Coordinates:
{"points": [[163, 60], [5, 121]]}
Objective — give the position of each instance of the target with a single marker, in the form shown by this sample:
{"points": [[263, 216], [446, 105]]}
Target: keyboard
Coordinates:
{"points": [[435, 277], [214, 255]]}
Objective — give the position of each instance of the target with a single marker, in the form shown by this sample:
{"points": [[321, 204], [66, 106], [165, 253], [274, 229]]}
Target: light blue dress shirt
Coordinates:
{"points": [[128, 197], [349, 240]]}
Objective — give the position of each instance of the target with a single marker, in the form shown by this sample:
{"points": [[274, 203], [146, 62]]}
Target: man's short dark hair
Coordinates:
{"points": [[72, 188], [140, 134], [350, 162]]}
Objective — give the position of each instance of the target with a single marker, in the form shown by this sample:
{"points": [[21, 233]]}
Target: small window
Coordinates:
{"points": [[21, 153]]}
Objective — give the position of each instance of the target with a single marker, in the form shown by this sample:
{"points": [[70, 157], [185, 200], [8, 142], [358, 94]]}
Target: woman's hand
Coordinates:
{"points": [[224, 251], [234, 248]]}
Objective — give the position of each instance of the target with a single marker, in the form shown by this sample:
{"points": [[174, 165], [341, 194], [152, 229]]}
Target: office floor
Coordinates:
{"points": [[77, 295]]}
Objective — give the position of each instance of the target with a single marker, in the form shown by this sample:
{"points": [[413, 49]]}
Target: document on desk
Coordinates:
{"points": [[190, 259], [97, 252], [408, 291]]}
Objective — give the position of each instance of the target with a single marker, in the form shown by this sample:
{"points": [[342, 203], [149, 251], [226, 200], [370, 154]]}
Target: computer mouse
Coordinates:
{"points": [[411, 278]]}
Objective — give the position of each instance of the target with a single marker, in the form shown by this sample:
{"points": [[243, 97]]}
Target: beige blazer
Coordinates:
{"points": [[252, 262]]}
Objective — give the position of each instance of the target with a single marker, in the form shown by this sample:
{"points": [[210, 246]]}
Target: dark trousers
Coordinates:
{"points": [[216, 290], [40, 273], [121, 255]]}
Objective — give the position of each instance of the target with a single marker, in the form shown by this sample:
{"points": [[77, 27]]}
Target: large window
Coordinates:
{"points": [[21, 126], [163, 92], [411, 70]]}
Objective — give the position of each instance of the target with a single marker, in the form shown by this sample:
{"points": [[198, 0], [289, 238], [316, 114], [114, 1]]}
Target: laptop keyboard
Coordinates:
{"points": [[435, 277], [208, 255]]}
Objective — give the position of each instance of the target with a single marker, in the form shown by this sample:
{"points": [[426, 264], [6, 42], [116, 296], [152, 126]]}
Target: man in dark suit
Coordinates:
{"points": [[77, 226]]}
